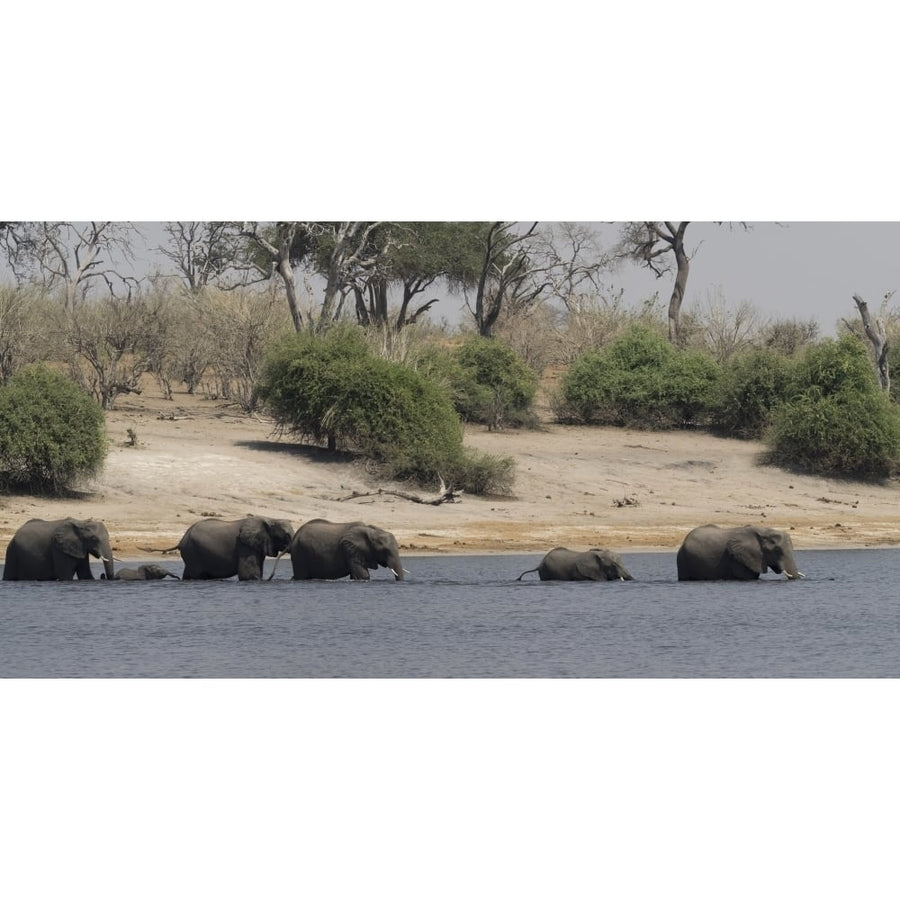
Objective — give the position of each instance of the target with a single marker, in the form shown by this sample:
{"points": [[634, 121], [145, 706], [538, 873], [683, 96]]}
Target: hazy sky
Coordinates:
{"points": [[803, 270]]}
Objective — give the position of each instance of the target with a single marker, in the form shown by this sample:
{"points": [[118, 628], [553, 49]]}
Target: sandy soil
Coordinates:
{"points": [[577, 487]]}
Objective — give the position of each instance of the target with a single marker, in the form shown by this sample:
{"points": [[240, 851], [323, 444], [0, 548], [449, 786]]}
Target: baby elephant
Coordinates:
{"points": [[150, 572], [569, 565]]}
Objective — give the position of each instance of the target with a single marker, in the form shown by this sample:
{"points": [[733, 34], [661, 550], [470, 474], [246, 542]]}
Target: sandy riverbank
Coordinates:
{"points": [[579, 487]]}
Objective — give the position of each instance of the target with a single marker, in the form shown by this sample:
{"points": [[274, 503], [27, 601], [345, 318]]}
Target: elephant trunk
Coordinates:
{"points": [[394, 564], [275, 566], [106, 555]]}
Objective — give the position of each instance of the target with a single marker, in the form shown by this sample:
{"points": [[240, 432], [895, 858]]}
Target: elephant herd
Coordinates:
{"points": [[214, 549], [211, 548]]}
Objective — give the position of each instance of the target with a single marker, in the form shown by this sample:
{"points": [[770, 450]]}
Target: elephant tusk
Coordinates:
{"points": [[793, 577]]}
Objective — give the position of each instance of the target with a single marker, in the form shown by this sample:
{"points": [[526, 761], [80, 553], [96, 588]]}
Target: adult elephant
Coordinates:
{"points": [[323, 549], [562, 564], [710, 553], [212, 548], [147, 572], [57, 550]]}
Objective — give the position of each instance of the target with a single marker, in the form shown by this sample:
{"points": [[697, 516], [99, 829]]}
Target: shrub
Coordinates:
{"points": [[488, 381], [752, 386], [639, 380], [331, 388], [839, 421], [51, 433], [833, 366], [837, 434]]}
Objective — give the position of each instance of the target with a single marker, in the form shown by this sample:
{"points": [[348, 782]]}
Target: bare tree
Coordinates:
{"points": [[113, 341], [203, 252], [657, 245], [725, 331], [72, 256], [660, 247], [877, 335], [510, 276], [24, 328], [571, 254]]}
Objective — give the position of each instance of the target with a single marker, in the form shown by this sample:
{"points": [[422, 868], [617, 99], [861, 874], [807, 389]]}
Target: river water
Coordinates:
{"points": [[465, 617]]}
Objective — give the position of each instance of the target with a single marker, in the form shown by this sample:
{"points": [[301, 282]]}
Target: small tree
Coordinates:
{"points": [[51, 433]]}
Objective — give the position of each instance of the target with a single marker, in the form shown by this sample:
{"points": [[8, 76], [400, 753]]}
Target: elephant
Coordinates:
{"points": [[212, 548], [148, 572], [57, 550], [562, 564], [328, 550], [711, 553]]}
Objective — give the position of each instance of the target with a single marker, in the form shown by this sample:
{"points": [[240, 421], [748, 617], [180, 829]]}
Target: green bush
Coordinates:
{"points": [[51, 433], [841, 433], [488, 381], [836, 366], [752, 386], [839, 421], [639, 380], [332, 388]]}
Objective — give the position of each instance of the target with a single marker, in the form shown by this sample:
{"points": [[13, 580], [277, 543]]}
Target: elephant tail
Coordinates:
{"points": [[526, 572]]}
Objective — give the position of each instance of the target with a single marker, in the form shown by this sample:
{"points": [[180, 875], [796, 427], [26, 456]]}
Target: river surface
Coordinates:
{"points": [[465, 617]]}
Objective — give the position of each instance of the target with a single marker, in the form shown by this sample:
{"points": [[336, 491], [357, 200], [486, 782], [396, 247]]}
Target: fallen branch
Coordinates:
{"points": [[447, 495]]}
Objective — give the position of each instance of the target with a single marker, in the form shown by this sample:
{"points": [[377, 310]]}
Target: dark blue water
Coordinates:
{"points": [[459, 617]]}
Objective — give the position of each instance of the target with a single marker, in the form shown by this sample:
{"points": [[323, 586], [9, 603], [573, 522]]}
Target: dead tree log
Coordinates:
{"points": [[445, 495], [877, 338]]}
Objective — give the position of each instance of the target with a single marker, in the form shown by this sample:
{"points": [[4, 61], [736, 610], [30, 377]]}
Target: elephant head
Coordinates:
{"points": [[259, 537], [371, 547], [270, 537], [772, 549], [73, 540], [601, 565]]}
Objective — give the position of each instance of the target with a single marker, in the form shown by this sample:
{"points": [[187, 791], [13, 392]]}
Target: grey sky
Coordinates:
{"points": [[802, 270]]}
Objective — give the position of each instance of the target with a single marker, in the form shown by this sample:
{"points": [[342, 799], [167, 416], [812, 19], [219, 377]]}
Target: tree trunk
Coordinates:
{"points": [[878, 339], [681, 276], [290, 288]]}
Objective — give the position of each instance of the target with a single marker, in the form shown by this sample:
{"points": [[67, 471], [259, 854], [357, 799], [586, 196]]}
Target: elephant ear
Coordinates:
{"points": [[588, 566], [744, 547], [67, 539], [254, 533], [356, 545]]}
